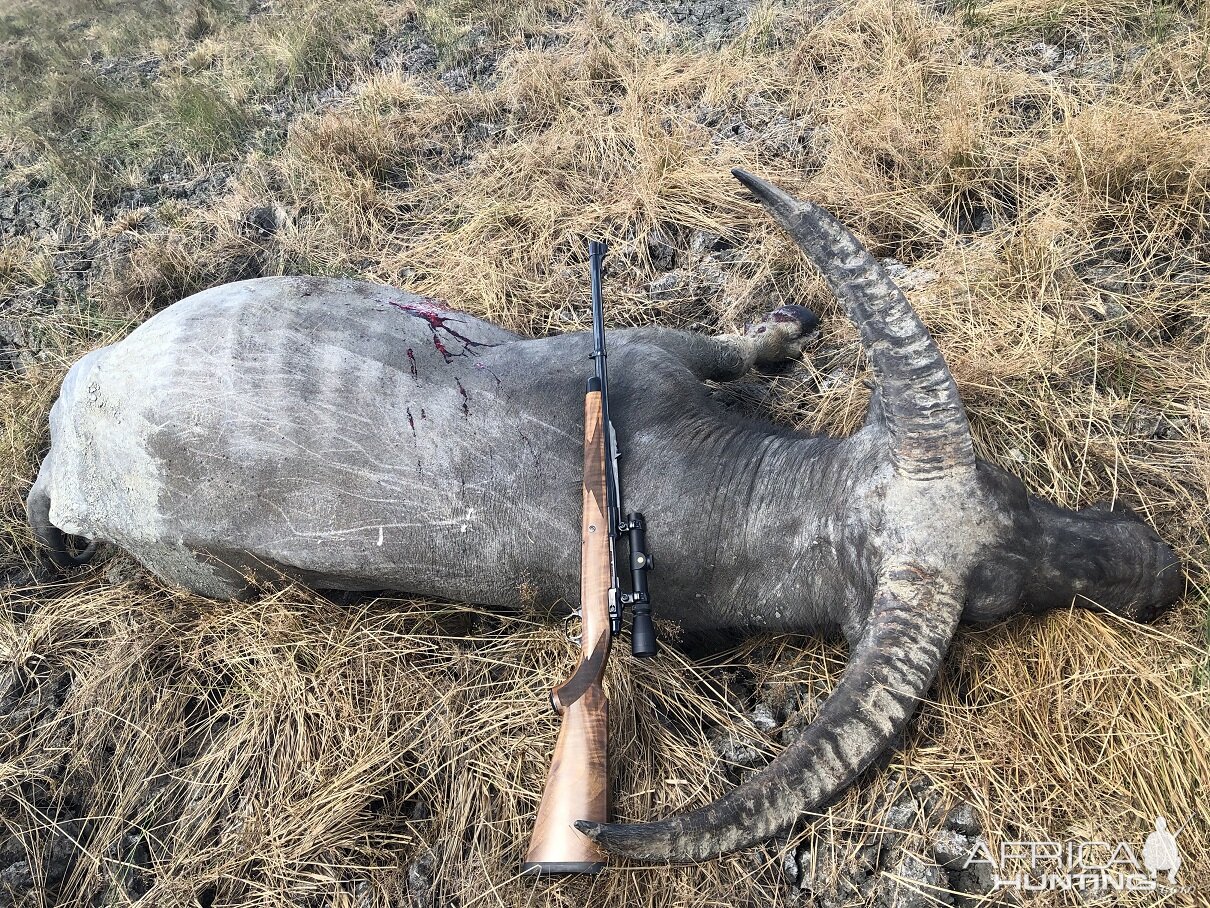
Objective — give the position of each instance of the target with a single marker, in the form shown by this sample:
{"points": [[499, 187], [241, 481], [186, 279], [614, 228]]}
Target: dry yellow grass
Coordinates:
{"points": [[293, 751]]}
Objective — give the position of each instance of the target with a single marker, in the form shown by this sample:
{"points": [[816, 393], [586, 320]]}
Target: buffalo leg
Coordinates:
{"points": [[772, 342]]}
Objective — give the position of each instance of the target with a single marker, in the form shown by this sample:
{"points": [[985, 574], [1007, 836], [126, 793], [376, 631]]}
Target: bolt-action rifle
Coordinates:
{"points": [[577, 787]]}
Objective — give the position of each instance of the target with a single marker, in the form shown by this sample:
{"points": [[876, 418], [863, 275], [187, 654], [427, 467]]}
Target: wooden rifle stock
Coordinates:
{"points": [[577, 787]]}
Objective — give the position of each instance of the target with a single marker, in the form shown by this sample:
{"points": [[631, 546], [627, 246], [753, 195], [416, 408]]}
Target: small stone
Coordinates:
{"points": [[902, 814], [736, 752], [421, 876], [671, 286], [963, 818], [17, 877], [660, 251], [789, 867], [704, 241], [914, 883], [951, 849], [266, 220], [977, 877], [814, 869], [763, 718]]}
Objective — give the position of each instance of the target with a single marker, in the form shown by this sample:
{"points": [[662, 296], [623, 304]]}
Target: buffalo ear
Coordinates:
{"points": [[995, 589]]}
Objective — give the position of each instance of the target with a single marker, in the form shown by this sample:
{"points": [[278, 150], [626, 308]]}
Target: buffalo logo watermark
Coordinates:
{"points": [[1077, 865], [1160, 851]]}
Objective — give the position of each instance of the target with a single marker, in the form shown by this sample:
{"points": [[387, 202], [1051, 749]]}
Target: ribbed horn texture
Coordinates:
{"points": [[913, 620], [921, 409]]}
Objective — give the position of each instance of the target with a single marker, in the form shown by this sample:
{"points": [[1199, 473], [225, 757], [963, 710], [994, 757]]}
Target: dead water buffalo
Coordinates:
{"points": [[360, 437]]}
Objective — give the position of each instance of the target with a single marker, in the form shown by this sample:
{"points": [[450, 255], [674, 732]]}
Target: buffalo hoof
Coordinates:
{"points": [[782, 335]]}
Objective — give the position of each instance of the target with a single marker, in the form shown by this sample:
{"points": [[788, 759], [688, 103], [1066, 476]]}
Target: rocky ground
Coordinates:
{"points": [[1036, 178]]}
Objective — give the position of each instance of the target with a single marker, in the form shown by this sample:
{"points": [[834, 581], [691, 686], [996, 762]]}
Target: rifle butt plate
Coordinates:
{"points": [[552, 868]]}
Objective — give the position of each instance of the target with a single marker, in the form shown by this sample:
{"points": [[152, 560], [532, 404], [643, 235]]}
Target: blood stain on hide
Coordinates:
{"points": [[411, 422], [412, 362], [430, 312], [423, 415], [466, 410]]}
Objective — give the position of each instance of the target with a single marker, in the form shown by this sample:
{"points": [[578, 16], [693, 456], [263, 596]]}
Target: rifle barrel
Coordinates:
{"points": [[613, 492]]}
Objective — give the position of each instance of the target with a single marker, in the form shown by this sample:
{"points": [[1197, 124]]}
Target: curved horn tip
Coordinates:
{"points": [[624, 839], [768, 194], [744, 177]]}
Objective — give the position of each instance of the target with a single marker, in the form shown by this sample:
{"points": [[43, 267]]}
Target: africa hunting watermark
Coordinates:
{"points": [[1079, 865]]}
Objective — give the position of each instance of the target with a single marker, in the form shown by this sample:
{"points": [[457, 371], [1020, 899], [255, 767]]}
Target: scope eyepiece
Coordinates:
{"points": [[642, 636]]}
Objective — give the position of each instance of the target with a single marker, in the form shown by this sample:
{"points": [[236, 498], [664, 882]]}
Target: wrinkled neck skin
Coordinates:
{"points": [[790, 538], [785, 540]]}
